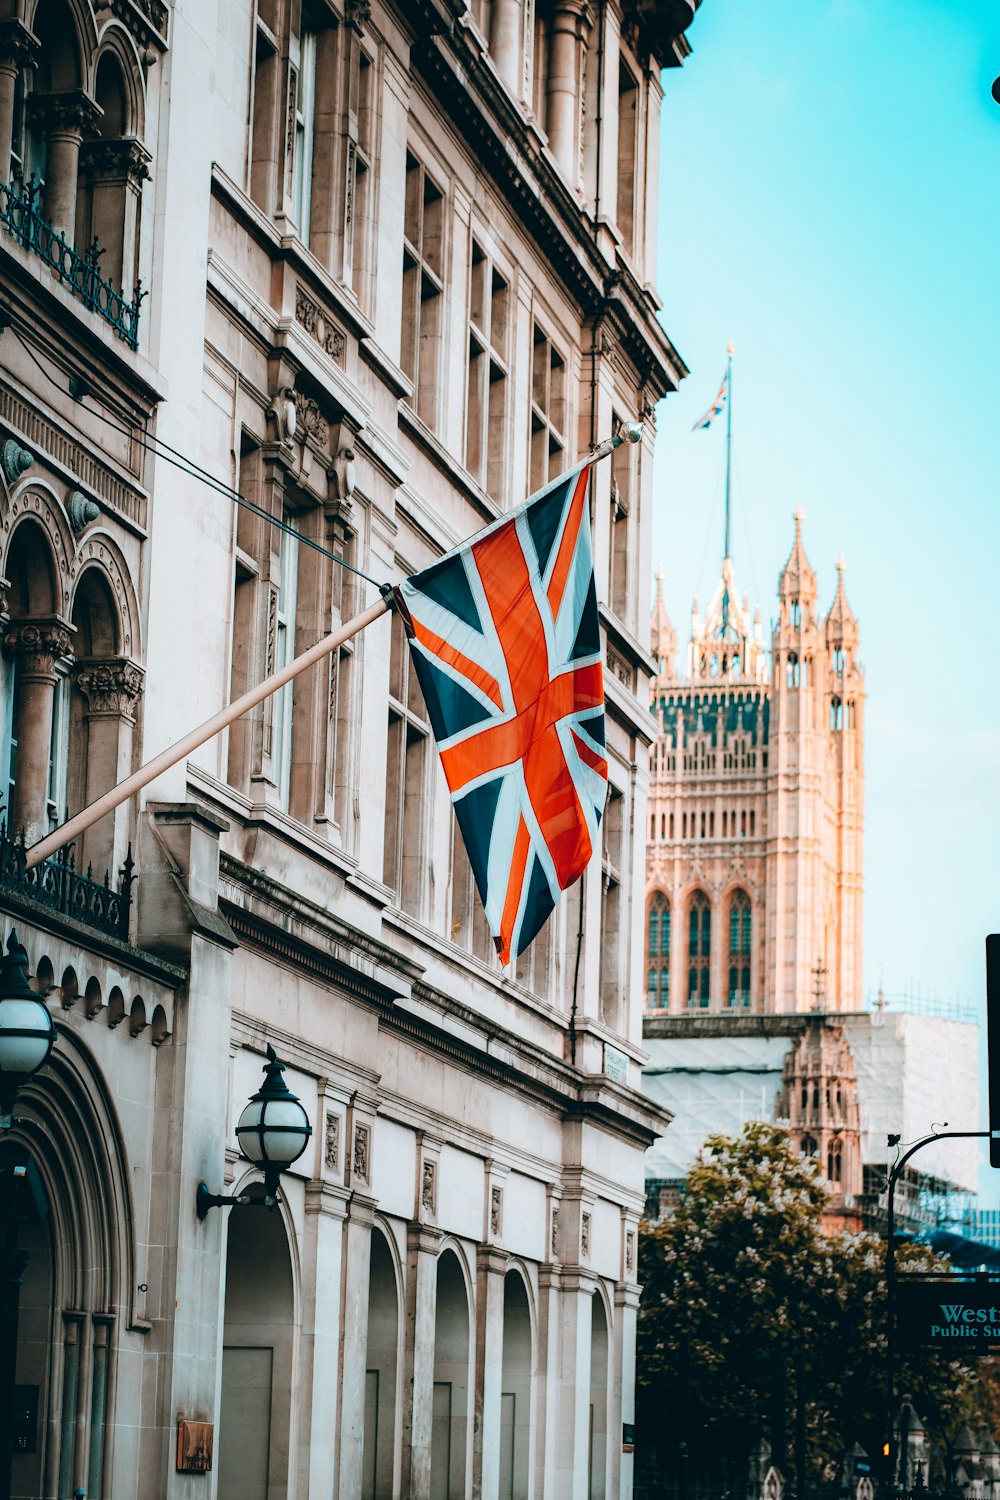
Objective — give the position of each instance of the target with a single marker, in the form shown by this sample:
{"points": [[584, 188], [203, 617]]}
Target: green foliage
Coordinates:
{"points": [[745, 1299]]}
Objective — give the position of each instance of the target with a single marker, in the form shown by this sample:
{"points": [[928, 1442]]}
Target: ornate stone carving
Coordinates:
{"points": [[585, 1236], [428, 1187], [81, 511], [314, 321], [331, 1148], [555, 1230], [15, 460], [145, 19], [630, 1252], [124, 160], [358, 13], [68, 111], [19, 47], [342, 474], [496, 1212], [39, 644], [284, 413], [111, 687], [361, 1162], [310, 421]]}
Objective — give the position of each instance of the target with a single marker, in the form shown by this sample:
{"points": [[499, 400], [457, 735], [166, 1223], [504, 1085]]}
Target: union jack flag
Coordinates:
{"points": [[717, 407], [504, 637]]}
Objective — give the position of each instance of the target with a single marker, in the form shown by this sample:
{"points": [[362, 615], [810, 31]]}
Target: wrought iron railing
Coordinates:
{"points": [[79, 270], [57, 884]]}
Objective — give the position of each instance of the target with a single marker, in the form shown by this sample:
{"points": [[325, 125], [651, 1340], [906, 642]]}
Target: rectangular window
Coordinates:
{"points": [[406, 778], [548, 411], [485, 437], [358, 207], [612, 944], [284, 652], [628, 144], [305, 128], [624, 487], [423, 286]]}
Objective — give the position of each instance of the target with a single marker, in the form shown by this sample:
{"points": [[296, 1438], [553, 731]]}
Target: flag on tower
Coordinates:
{"points": [[717, 407], [505, 642]]}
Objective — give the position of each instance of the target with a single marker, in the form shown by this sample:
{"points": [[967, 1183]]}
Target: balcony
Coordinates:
{"points": [[59, 886], [79, 271]]}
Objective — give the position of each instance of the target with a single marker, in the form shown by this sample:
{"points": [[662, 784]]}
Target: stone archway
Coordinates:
{"points": [[450, 1429], [381, 1368], [516, 1392], [255, 1411], [598, 1398]]}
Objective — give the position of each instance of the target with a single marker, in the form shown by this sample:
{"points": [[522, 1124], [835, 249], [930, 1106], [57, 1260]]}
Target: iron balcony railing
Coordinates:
{"points": [[57, 884], [79, 270]]}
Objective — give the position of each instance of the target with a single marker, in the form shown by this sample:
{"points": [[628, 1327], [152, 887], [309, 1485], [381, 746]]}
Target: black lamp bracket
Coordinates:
{"points": [[204, 1200]]}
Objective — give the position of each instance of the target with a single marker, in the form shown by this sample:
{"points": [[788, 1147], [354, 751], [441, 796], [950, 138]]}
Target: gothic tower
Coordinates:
{"points": [[754, 868]]}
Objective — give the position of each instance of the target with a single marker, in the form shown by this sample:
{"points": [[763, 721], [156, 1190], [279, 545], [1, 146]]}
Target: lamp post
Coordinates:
{"points": [[26, 1037], [273, 1131]]}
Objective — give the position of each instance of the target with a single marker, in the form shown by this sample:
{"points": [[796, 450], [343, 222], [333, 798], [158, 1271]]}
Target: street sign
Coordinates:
{"points": [[956, 1317], [993, 1041]]}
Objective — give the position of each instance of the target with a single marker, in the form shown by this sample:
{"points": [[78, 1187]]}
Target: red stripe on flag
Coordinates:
{"points": [[590, 757], [463, 664], [515, 885]]}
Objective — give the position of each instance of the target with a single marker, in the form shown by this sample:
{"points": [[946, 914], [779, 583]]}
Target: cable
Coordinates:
{"points": [[162, 449]]}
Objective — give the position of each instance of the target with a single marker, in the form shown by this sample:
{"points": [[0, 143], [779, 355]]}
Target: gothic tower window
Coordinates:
{"points": [[739, 949], [834, 1161], [699, 950], [658, 954], [808, 1146], [792, 678], [836, 714]]}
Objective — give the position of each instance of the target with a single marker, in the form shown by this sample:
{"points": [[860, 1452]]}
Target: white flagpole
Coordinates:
{"points": [[226, 716], [630, 432]]}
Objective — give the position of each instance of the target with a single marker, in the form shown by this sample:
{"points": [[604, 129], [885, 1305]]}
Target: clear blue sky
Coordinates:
{"points": [[830, 202]]}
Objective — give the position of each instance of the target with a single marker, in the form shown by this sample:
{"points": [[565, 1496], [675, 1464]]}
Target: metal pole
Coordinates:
{"points": [[176, 752], [890, 1267]]}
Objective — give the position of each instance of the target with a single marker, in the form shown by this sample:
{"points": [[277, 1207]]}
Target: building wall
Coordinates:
{"points": [[397, 264]]}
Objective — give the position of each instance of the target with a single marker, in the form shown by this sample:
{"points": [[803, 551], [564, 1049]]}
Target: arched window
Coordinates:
{"points": [[836, 714], [658, 953], [699, 950], [796, 615], [739, 948], [792, 679], [808, 1146], [834, 1161]]}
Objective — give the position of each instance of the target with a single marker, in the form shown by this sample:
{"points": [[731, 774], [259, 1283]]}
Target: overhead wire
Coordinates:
{"points": [[160, 448]]}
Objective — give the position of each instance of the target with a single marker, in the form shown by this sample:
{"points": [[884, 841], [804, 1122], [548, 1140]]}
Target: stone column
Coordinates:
{"points": [[572, 1456], [64, 118], [322, 1280], [354, 1342], [18, 50], [422, 1245], [505, 42], [114, 172], [562, 86], [36, 645], [622, 1383], [111, 689], [491, 1267]]}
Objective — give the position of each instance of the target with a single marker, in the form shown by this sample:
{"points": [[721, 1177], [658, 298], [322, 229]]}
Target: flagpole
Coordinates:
{"points": [[630, 432], [176, 752], [729, 440]]}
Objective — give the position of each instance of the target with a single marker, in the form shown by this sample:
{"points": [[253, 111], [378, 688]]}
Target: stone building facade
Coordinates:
{"points": [[754, 908], [380, 270]]}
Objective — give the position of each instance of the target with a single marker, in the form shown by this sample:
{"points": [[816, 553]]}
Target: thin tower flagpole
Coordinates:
{"points": [[729, 442], [631, 432]]}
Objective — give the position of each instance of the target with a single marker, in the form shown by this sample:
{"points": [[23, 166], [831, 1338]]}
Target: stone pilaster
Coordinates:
{"points": [[491, 1267], [322, 1331], [562, 86], [354, 1343], [114, 172], [422, 1245], [111, 692]]}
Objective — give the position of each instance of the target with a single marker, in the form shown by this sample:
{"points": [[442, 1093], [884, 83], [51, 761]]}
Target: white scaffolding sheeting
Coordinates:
{"points": [[712, 1085], [915, 1072]]}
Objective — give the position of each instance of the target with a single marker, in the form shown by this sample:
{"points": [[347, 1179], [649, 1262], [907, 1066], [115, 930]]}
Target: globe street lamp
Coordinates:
{"points": [[26, 1029], [273, 1131]]}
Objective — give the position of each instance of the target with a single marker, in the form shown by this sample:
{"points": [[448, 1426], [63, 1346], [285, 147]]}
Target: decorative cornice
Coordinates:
{"points": [[111, 687], [145, 20], [70, 110]]}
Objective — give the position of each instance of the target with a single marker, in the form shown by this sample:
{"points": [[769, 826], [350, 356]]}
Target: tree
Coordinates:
{"points": [[746, 1301]]}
